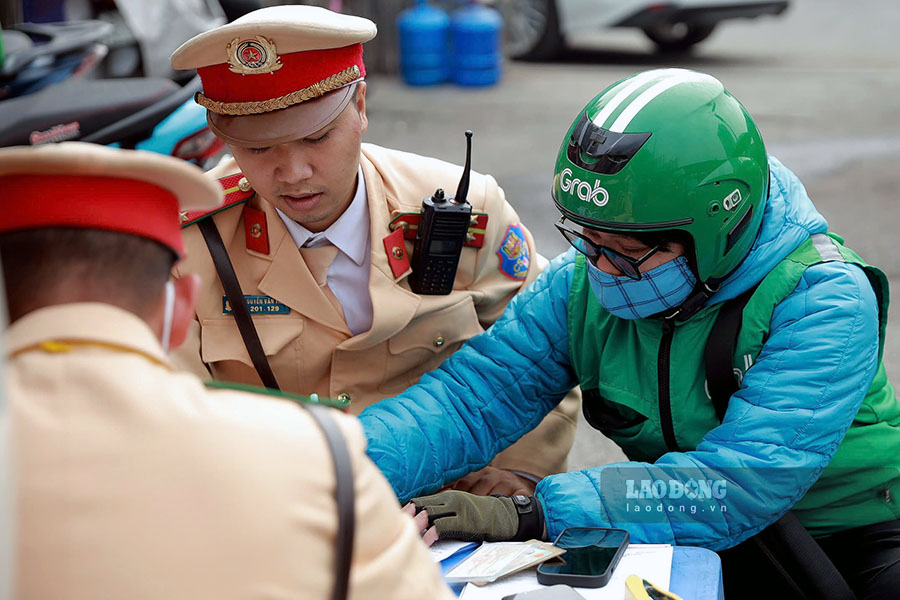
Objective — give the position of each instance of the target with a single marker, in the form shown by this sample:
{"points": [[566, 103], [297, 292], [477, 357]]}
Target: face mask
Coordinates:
{"points": [[168, 312], [658, 289]]}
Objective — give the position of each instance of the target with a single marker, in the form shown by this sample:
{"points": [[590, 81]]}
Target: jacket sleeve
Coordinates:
{"points": [[545, 449], [782, 428], [495, 388]]}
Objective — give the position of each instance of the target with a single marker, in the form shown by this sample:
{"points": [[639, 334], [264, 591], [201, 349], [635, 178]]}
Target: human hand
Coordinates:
{"points": [[491, 480], [464, 516], [429, 534]]}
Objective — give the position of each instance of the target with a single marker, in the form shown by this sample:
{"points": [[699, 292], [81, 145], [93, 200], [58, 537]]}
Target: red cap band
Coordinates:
{"points": [[92, 202], [300, 70]]}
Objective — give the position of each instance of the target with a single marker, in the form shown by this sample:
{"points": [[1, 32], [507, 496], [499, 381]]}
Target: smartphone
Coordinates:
{"points": [[553, 592], [592, 554]]}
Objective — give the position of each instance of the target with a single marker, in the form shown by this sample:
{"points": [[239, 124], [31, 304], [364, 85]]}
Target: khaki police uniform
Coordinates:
{"points": [[135, 481], [281, 74], [310, 348]]}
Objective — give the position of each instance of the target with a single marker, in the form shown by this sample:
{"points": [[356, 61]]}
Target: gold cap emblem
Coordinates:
{"points": [[252, 57]]}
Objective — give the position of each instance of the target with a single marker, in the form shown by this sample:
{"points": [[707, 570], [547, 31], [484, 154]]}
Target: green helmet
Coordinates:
{"points": [[667, 149]]}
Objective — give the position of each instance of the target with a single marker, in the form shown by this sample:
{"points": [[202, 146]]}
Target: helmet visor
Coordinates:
{"points": [[600, 150]]}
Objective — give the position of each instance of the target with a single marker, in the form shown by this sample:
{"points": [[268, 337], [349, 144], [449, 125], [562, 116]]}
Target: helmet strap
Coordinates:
{"points": [[702, 292]]}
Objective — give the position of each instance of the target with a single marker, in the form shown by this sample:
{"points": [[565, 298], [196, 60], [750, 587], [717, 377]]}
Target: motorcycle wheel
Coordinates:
{"points": [[531, 29], [673, 38]]}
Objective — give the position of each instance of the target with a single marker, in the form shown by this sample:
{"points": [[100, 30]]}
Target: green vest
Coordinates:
{"points": [[633, 396]]}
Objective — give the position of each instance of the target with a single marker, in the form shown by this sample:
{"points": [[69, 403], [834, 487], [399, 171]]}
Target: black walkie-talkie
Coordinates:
{"points": [[440, 237]]}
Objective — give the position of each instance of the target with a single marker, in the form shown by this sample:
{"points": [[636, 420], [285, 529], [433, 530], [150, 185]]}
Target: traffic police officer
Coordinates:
{"points": [[134, 480], [319, 227]]}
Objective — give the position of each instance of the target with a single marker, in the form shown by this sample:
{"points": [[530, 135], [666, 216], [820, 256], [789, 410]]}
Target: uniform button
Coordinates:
{"points": [[438, 341], [243, 184], [344, 397]]}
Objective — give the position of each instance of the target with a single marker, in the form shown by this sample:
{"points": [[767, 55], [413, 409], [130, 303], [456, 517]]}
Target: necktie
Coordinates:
{"points": [[318, 260]]}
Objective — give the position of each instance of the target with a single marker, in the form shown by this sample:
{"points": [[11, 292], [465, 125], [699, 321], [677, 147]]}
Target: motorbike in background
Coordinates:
{"points": [[52, 103], [154, 114], [38, 55]]}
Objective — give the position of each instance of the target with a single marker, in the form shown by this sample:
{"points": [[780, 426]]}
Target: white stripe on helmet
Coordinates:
{"points": [[682, 76], [630, 88]]}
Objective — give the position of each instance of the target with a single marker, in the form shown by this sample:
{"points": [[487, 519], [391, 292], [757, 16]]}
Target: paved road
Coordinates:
{"points": [[822, 82]]}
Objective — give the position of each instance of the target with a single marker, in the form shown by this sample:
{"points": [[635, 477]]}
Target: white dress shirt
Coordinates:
{"points": [[348, 275]]}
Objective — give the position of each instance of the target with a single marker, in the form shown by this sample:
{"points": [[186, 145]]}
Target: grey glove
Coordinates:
{"points": [[464, 516]]}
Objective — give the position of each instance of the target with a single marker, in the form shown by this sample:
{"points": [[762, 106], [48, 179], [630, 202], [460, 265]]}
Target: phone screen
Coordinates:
{"points": [[588, 551]]}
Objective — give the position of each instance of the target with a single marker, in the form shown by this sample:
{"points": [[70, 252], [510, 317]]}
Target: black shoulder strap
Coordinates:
{"points": [[719, 353], [800, 561], [343, 471], [238, 305]]}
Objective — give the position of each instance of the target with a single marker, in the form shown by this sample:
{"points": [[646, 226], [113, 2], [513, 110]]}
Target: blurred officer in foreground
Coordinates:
{"points": [[134, 480], [678, 217], [319, 228]]}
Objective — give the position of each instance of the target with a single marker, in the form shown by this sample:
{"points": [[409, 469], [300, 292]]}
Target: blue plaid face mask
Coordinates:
{"points": [[658, 289]]}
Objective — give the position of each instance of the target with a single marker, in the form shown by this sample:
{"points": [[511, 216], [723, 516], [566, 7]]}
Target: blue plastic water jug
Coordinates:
{"points": [[477, 33], [424, 35]]}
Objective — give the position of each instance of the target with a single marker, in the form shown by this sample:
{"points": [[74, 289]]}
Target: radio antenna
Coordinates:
{"points": [[462, 192]]}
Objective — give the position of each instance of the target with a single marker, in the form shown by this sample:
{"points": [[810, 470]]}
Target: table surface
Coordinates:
{"points": [[696, 573]]}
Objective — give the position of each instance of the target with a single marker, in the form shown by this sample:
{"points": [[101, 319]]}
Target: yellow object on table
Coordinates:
{"points": [[637, 588]]}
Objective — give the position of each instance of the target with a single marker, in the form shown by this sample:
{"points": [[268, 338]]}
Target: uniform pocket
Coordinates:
{"points": [[427, 341], [220, 339]]}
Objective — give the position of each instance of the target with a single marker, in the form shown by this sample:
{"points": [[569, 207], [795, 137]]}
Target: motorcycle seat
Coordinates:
{"points": [[77, 108]]}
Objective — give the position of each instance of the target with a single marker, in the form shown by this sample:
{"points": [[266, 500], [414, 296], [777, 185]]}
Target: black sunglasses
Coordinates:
{"points": [[630, 267]]}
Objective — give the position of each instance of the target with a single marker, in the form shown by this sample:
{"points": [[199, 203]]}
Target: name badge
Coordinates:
{"points": [[264, 305]]}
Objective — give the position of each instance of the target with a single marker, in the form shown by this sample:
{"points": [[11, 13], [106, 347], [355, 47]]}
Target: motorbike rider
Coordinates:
{"points": [[675, 211], [315, 232]]}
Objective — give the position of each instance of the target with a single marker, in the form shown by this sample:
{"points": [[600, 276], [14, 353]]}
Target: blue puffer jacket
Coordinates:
{"points": [[501, 383]]}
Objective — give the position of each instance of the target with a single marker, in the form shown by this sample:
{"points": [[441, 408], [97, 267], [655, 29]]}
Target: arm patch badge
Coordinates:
{"points": [[513, 253]]}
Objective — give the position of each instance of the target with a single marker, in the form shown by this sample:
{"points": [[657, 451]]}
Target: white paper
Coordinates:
{"points": [[653, 562]]}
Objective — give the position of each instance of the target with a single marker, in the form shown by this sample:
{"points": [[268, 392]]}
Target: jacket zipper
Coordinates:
{"points": [[662, 371]]}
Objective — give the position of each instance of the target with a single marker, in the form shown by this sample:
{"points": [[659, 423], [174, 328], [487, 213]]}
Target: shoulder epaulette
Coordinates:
{"points": [[237, 191], [410, 224], [255, 389]]}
